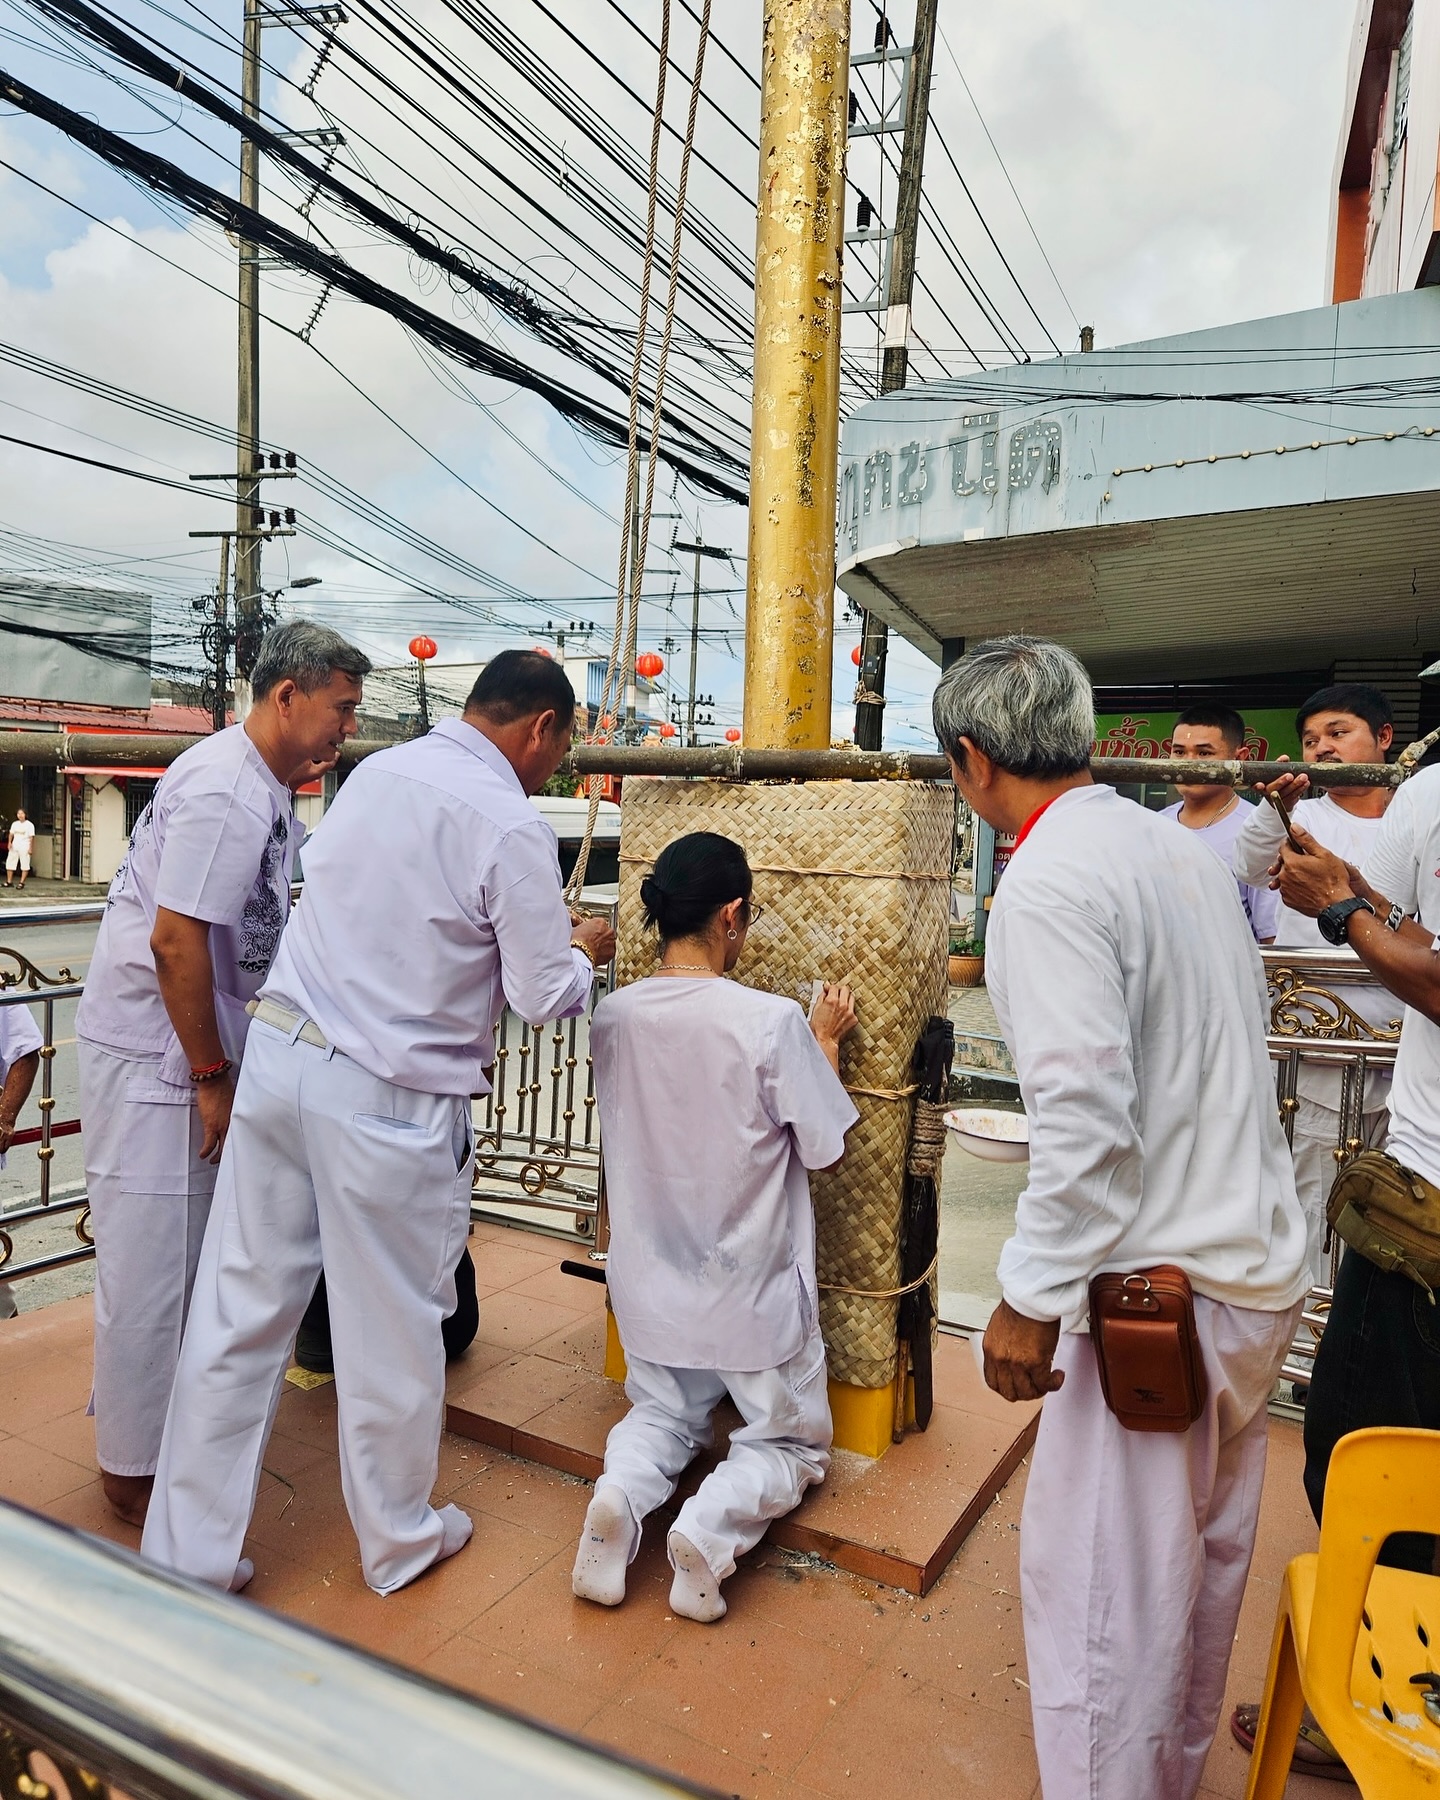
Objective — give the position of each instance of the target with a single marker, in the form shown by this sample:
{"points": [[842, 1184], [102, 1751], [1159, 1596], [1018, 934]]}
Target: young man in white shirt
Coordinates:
{"points": [[352, 1142], [1131, 994], [1216, 813], [191, 923], [1347, 723], [21, 843], [20, 1043]]}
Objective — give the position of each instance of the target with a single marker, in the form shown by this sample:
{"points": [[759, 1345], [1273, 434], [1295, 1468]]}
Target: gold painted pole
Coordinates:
{"points": [[795, 431]]}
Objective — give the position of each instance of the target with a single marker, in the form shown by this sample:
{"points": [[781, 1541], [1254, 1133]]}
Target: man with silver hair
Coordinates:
{"points": [[191, 924], [1132, 997]]}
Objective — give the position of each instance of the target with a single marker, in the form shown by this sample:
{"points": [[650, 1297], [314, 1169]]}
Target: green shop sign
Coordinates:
{"points": [[1145, 736]]}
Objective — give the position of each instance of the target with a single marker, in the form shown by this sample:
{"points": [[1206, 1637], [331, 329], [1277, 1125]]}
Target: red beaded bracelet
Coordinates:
{"points": [[214, 1072]]}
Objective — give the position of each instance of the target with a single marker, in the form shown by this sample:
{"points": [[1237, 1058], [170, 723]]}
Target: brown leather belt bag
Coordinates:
{"points": [[1142, 1325]]}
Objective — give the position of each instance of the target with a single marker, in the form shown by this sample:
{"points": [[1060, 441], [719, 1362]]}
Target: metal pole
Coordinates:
{"points": [[248, 599], [795, 430], [222, 632], [694, 647], [424, 704], [894, 370]]}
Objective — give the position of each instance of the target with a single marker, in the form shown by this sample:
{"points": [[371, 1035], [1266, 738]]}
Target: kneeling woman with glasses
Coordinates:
{"points": [[714, 1101]]}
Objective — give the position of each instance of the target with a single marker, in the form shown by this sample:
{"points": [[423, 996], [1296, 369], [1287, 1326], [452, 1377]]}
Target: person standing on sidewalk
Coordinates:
{"points": [[19, 845], [351, 1144], [1132, 998], [191, 923], [1215, 812], [1347, 723]]}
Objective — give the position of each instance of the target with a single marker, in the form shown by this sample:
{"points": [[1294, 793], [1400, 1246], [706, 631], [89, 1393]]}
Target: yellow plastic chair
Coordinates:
{"points": [[1350, 1636]]}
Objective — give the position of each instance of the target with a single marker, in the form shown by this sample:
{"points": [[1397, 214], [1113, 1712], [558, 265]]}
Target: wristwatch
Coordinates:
{"points": [[1334, 922]]}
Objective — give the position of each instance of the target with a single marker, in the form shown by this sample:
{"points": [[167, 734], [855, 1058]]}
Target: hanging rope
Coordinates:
{"points": [[635, 531]]}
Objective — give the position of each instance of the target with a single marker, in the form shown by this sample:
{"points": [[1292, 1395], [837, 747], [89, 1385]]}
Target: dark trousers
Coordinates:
{"points": [[457, 1330], [1378, 1364]]}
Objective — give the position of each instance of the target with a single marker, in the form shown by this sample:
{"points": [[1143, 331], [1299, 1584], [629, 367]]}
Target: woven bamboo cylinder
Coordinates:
{"points": [[855, 881]]}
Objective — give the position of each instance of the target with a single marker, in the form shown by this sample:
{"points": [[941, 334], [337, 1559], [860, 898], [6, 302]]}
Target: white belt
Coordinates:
{"points": [[283, 1020]]}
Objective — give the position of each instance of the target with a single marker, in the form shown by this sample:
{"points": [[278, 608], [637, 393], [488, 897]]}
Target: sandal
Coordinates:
{"points": [[1314, 1753]]}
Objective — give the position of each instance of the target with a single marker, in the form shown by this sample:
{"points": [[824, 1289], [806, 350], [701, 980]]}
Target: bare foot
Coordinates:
{"points": [[129, 1495]]}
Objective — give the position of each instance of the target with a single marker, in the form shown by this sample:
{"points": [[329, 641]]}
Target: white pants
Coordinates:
{"points": [[782, 1448], [149, 1197], [1316, 1135], [325, 1166], [17, 859], [1134, 1550]]}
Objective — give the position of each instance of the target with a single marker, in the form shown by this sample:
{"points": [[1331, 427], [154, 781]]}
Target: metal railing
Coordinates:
{"points": [[537, 1153], [23, 981], [1313, 1023], [131, 1680]]}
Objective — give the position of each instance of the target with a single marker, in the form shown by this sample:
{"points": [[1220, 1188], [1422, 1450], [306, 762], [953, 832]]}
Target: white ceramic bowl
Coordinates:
{"points": [[990, 1135]]}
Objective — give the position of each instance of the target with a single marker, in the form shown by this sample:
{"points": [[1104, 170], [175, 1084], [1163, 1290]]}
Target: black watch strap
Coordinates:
{"points": [[1334, 921]]}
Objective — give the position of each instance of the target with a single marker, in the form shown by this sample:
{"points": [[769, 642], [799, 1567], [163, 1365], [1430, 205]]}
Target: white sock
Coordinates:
{"points": [[243, 1576], [605, 1544], [457, 1529], [695, 1592]]}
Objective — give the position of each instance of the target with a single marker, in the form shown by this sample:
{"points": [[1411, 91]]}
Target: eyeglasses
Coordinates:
{"points": [[756, 914]]}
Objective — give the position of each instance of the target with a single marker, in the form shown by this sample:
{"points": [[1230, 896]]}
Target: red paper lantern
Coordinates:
{"points": [[855, 656], [540, 650], [606, 722], [649, 665], [667, 730], [732, 736], [423, 648]]}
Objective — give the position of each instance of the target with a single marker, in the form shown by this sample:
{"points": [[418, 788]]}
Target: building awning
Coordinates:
{"points": [[1233, 501]]}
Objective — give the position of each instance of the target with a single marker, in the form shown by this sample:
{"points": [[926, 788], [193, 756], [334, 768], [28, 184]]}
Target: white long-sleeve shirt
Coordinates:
{"points": [[1256, 850], [1405, 867], [432, 898], [1132, 997]]}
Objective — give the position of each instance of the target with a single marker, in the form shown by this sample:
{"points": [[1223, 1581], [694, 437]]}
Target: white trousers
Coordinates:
{"points": [[1134, 1550], [1316, 1134], [149, 1197], [782, 1448], [325, 1166]]}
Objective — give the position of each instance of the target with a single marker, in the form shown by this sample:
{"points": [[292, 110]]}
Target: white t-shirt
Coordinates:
{"points": [[19, 1035], [1256, 850], [1132, 997], [1262, 906], [714, 1100], [1405, 867], [216, 842], [22, 836]]}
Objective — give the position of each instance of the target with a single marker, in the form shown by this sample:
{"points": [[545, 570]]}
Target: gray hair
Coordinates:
{"points": [[306, 653], [1025, 702]]}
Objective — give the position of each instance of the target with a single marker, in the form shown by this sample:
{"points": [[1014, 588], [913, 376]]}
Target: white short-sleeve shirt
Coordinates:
{"points": [[217, 842], [714, 1101], [22, 836]]}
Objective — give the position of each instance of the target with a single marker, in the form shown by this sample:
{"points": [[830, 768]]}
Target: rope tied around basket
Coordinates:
{"points": [[895, 1293], [647, 862]]}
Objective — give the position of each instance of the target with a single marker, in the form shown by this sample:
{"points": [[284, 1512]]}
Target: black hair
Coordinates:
{"points": [[1358, 697], [518, 684], [1223, 719], [694, 877]]}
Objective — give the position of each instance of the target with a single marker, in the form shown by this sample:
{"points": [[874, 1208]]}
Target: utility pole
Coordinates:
{"points": [[697, 550], [221, 628], [870, 711], [248, 598], [795, 430]]}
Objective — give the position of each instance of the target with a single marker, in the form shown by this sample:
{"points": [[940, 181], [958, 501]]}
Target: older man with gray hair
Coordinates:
{"points": [[191, 924], [1132, 997]]}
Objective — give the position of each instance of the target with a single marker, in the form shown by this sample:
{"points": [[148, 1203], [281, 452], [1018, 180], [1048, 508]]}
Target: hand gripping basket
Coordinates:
{"points": [[855, 880]]}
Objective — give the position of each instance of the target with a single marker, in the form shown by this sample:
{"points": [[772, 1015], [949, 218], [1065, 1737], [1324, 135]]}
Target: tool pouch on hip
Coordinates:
{"points": [[1390, 1215], [1152, 1372]]}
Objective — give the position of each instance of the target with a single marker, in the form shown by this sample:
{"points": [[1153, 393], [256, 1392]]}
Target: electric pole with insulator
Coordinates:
{"points": [[895, 368]]}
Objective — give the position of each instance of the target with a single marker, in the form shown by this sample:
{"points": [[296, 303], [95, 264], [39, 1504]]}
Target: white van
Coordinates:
{"points": [[566, 818]]}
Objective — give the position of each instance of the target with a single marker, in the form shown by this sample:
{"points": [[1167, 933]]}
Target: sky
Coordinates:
{"points": [[1143, 168]]}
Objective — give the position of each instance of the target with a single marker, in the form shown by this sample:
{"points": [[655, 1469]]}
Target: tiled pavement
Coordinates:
{"points": [[816, 1683]]}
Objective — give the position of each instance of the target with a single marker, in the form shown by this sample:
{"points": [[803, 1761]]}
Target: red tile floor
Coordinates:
{"points": [[816, 1683]]}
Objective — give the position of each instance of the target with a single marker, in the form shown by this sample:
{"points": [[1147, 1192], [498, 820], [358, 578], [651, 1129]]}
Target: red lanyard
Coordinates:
{"points": [[1033, 821]]}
